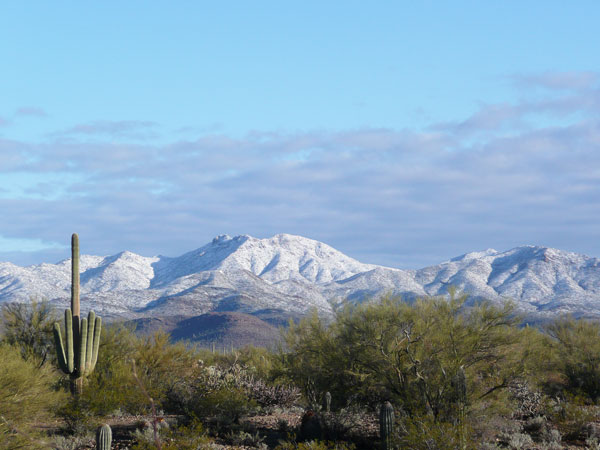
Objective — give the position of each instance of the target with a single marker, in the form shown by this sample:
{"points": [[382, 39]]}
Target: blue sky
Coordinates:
{"points": [[401, 133]]}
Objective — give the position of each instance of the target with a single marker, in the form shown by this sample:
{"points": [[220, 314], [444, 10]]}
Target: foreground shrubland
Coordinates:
{"points": [[451, 376]]}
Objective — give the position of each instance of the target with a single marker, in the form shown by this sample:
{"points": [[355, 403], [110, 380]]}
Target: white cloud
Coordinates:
{"points": [[403, 198]]}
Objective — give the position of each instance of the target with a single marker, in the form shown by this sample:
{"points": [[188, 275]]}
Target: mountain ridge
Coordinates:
{"points": [[293, 275]]}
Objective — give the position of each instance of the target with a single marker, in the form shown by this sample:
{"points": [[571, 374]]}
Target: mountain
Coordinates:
{"points": [[225, 328], [287, 276]]}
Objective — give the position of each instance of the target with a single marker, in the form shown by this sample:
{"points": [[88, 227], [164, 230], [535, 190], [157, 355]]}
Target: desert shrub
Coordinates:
{"points": [[269, 395], [245, 438], [257, 360], [110, 386], [217, 393], [28, 326], [592, 443], [265, 394], [78, 416], [342, 424], [113, 389], [528, 402], [162, 365], [424, 433], [189, 436], [226, 392], [412, 354], [291, 444], [225, 404], [58, 442], [575, 357], [519, 441], [573, 415], [26, 396]]}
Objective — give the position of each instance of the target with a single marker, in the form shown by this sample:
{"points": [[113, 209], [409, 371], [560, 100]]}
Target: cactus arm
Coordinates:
{"points": [[60, 350], [97, 331], [82, 347], [70, 353], [90, 342]]}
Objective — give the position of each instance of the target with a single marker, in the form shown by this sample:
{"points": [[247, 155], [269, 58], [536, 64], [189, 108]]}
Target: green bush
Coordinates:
{"points": [[28, 326], [78, 416], [291, 444], [574, 356], [111, 386], [189, 436], [424, 433], [161, 366], [26, 396], [410, 354], [217, 394], [573, 415]]}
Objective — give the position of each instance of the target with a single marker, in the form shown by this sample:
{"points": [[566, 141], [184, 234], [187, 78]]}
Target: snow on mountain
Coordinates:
{"points": [[292, 274], [120, 272], [282, 257]]}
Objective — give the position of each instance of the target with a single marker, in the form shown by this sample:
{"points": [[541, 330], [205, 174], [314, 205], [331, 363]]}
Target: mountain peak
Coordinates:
{"points": [[285, 257], [225, 238], [293, 274], [475, 255]]}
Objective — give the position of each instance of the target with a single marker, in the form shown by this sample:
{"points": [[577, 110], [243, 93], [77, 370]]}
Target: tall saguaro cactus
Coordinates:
{"points": [[78, 353], [75, 282]]}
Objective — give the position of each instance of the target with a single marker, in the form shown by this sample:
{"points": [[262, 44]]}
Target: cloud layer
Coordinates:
{"points": [[511, 174]]}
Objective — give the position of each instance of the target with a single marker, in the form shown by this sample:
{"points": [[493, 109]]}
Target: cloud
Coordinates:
{"points": [[135, 129], [404, 198], [31, 111], [22, 112], [558, 80], [488, 118], [571, 94]]}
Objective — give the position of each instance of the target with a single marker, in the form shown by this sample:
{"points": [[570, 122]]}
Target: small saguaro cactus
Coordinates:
{"points": [[103, 437], [78, 353], [386, 426], [327, 402]]}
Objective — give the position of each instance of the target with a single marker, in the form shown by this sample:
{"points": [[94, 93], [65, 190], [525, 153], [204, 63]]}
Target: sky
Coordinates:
{"points": [[400, 133]]}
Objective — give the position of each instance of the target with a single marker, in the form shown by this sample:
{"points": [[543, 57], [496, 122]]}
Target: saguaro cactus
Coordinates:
{"points": [[103, 437], [78, 353], [386, 426], [327, 401]]}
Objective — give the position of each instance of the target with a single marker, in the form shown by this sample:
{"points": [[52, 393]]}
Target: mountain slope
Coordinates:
{"points": [[292, 275], [224, 329]]}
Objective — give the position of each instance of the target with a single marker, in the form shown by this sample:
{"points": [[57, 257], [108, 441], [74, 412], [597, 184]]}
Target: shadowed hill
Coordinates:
{"points": [[224, 329]]}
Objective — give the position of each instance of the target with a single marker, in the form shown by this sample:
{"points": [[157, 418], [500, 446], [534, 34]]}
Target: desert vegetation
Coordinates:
{"points": [[432, 374], [435, 373]]}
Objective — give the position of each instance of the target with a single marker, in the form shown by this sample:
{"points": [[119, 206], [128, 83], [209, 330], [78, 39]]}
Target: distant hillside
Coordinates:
{"points": [[224, 329]]}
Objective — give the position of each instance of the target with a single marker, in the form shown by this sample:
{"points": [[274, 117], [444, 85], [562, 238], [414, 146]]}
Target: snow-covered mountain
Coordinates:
{"points": [[290, 275]]}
